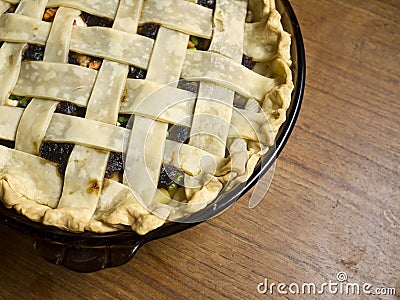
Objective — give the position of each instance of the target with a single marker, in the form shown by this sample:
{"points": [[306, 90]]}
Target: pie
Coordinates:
{"points": [[126, 114]]}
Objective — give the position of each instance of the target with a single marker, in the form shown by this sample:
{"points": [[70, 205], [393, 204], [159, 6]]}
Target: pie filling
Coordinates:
{"points": [[128, 114]]}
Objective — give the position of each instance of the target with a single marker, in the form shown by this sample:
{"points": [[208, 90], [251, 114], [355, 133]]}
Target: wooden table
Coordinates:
{"points": [[333, 205]]}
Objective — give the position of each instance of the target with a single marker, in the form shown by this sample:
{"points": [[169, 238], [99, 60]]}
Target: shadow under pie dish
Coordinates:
{"points": [[109, 111]]}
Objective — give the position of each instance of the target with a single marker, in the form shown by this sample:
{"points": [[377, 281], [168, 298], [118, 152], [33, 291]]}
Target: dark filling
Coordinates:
{"points": [[204, 44], [197, 43], [86, 60], [124, 120], [8, 144], [207, 3], [11, 9], [91, 20], [136, 73], [191, 86], [149, 30], [239, 101], [58, 153], [96, 59], [115, 165], [67, 108], [34, 52], [72, 59], [238, 105], [247, 61], [170, 178], [49, 14], [179, 134]]}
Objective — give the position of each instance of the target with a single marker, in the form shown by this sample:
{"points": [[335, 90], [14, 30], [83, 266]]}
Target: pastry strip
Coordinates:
{"points": [[10, 117], [33, 125], [168, 57], [107, 92], [55, 81], [179, 15], [9, 120], [112, 44], [99, 8], [37, 115], [223, 71], [68, 129], [128, 15], [146, 144], [212, 118], [229, 20], [144, 157], [58, 43], [213, 112], [158, 102], [10, 62], [33, 9], [21, 29]]}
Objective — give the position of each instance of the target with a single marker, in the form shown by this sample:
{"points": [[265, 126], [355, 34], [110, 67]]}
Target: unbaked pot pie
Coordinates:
{"points": [[125, 114]]}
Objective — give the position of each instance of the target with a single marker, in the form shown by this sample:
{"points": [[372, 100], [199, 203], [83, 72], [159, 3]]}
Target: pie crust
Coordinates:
{"points": [[226, 139]]}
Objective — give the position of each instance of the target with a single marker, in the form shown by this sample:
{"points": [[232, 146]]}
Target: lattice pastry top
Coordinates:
{"points": [[205, 86]]}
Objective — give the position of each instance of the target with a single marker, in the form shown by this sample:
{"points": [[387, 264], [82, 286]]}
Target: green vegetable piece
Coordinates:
{"points": [[194, 40], [23, 102], [179, 178], [123, 119], [192, 48], [14, 97], [172, 187]]}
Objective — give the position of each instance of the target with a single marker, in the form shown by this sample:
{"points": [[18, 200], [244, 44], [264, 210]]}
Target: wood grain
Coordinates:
{"points": [[332, 206]]}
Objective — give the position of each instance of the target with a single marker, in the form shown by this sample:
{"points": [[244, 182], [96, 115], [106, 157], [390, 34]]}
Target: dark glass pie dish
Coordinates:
{"points": [[89, 252]]}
